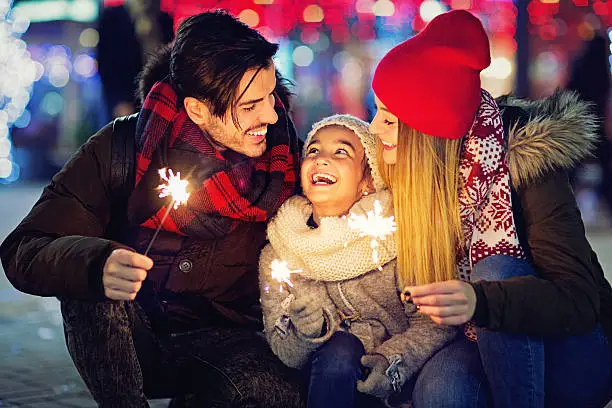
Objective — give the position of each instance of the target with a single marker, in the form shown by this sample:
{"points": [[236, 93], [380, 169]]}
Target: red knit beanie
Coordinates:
{"points": [[431, 81]]}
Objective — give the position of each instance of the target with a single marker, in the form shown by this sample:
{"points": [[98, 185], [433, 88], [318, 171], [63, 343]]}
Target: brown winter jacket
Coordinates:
{"points": [[570, 294], [191, 279]]}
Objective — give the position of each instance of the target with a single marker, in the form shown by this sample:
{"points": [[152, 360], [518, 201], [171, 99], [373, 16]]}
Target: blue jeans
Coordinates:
{"points": [[512, 370], [578, 371], [452, 378], [334, 370], [513, 363]]}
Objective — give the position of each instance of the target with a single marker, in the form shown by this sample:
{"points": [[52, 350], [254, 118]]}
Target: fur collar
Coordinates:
{"points": [[547, 134]]}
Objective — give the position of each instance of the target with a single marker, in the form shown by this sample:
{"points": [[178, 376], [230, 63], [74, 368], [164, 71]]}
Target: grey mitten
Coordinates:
{"points": [[307, 315], [377, 383]]}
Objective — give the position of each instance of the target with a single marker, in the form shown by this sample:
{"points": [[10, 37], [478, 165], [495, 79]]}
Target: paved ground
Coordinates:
{"points": [[35, 369]]}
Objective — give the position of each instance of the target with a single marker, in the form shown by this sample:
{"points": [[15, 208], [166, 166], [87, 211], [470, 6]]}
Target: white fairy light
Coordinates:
{"points": [[374, 225], [17, 74]]}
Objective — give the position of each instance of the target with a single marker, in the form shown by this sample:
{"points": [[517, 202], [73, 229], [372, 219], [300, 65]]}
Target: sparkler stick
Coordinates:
{"points": [[175, 188], [373, 225]]}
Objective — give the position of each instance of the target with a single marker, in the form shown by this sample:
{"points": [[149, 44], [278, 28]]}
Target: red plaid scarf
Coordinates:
{"points": [[227, 188]]}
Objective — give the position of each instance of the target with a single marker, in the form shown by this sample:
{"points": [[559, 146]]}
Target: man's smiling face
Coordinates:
{"points": [[253, 113]]}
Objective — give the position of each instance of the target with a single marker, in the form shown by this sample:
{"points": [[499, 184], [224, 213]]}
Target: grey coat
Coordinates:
{"points": [[371, 309]]}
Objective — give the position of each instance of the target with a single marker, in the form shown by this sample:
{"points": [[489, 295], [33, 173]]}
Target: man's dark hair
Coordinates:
{"points": [[211, 53]]}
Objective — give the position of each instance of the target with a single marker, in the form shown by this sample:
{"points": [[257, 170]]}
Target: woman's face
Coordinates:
{"points": [[385, 127], [332, 170]]}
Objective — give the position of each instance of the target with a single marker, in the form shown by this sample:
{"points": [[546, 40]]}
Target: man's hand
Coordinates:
{"points": [[123, 274], [377, 383], [306, 316], [450, 302]]}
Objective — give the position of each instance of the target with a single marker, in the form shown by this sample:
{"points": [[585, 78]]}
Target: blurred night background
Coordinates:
{"points": [[67, 67]]}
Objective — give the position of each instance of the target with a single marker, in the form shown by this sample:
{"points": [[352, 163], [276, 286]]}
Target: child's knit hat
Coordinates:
{"points": [[368, 140], [431, 81]]}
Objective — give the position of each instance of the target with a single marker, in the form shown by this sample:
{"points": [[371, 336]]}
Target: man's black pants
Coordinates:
{"points": [[123, 362]]}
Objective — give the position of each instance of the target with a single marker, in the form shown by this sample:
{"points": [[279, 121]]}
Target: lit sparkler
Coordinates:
{"points": [[175, 188], [282, 273], [373, 225]]}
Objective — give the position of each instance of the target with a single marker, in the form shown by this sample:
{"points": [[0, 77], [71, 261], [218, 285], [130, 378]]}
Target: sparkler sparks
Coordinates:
{"points": [[282, 273], [175, 188], [373, 225]]}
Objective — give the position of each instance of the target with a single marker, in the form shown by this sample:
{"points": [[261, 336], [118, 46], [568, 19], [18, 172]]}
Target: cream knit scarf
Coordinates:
{"points": [[333, 251]]}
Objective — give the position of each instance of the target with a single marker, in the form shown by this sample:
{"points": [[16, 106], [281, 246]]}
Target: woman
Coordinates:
{"points": [[441, 134]]}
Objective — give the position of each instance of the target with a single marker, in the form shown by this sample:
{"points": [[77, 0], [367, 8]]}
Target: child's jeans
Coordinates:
{"points": [[334, 371]]}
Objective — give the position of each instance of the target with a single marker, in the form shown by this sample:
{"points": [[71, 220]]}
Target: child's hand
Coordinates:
{"points": [[377, 383], [307, 316]]}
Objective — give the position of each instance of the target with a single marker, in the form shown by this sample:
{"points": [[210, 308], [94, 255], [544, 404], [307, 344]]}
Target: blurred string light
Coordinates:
{"points": [[383, 8], [85, 65], [364, 6], [52, 103], [500, 68], [313, 13], [249, 17], [303, 56], [54, 10], [322, 43], [429, 9], [17, 74], [58, 65], [89, 38]]}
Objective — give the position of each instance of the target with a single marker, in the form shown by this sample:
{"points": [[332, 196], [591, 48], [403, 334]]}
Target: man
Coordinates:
{"points": [[185, 319]]}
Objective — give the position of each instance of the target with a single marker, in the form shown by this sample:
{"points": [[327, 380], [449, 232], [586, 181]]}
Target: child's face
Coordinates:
{"points": [[332, 171]]}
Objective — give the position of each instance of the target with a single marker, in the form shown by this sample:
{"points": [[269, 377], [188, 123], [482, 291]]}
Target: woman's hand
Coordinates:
{"points": [[450, 302]]}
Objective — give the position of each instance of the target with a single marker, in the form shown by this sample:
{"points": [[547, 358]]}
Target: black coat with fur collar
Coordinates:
{"points": [[570, 295]]}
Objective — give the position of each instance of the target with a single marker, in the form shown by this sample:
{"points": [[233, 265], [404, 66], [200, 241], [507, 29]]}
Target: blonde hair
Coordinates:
{"points": [[425, 182]]}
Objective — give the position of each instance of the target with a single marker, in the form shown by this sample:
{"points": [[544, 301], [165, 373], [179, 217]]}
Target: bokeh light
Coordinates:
{"points": [[17, 73], [500, 68], [383, 8], [303, 56], [429, 9], [249, 17], [85, 65], [52, 104], [89, 38], [313, 13]]}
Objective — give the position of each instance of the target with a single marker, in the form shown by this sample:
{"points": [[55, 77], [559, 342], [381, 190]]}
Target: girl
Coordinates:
{"points": [[341, 311], [445, 155]]}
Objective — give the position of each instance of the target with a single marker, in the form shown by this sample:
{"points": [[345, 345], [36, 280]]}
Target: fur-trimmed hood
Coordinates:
{"points": [[553, 133]]}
